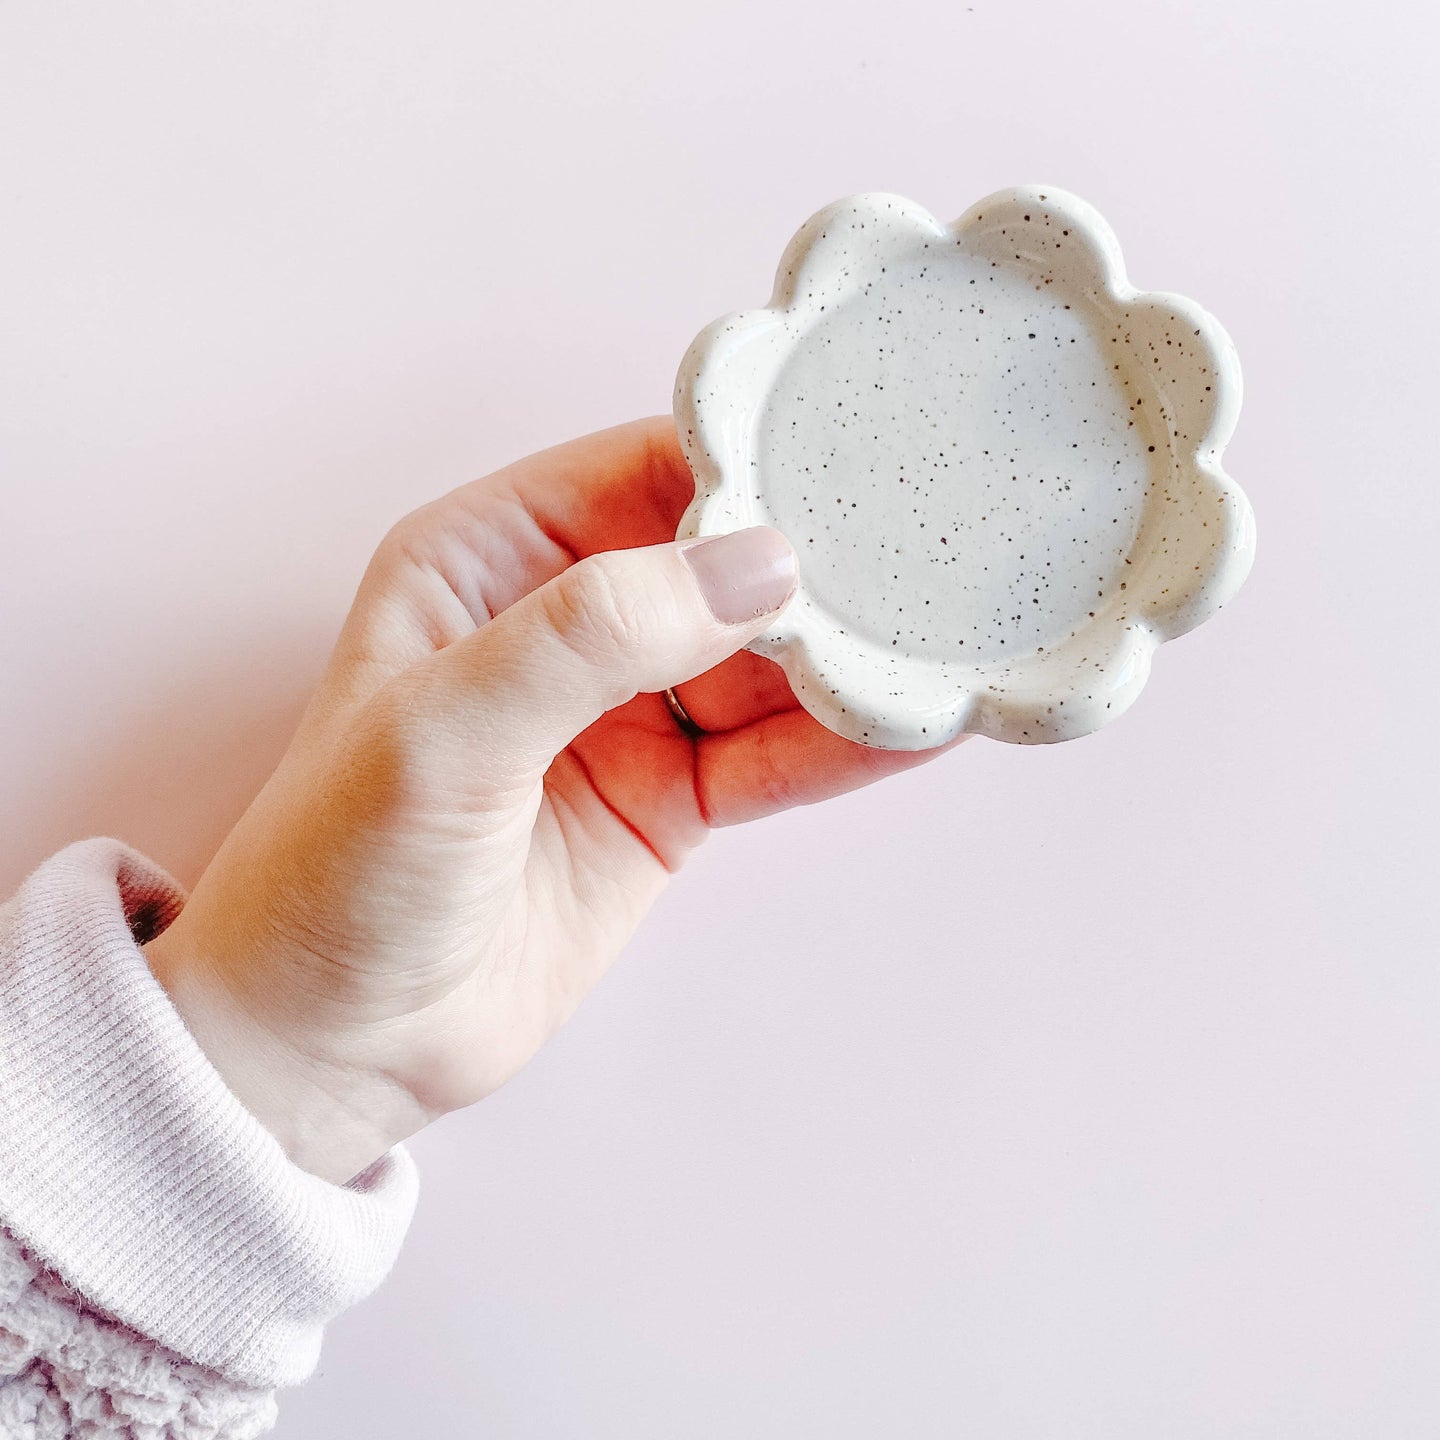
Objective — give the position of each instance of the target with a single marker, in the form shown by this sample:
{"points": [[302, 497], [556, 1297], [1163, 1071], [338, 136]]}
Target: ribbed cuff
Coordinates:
{"points": [[128, 1165]]}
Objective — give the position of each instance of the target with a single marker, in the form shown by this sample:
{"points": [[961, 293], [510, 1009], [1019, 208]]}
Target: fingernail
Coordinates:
{"points": [[742, 575]]}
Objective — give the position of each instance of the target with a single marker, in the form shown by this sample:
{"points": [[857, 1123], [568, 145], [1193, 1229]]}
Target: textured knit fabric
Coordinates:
{"points": [[163, 1264], [67, 1370]]}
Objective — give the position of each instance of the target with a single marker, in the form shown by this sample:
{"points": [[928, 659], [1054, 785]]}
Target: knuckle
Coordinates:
{"points": [[774, 779], [404, 545], [592, 611], [387, 765], [402, 537]]}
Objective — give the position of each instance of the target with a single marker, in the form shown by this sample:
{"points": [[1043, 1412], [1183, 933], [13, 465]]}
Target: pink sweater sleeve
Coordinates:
{"points": [[164, 1267]]}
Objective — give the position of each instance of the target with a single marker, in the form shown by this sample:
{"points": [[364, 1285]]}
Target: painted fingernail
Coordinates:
{"points": [[743, 575]]}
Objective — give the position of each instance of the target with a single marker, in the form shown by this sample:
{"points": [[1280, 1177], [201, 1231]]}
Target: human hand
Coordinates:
{"points": [[487, 792]]}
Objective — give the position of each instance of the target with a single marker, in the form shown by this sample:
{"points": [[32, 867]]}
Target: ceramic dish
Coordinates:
{"points": [[999, 462]]}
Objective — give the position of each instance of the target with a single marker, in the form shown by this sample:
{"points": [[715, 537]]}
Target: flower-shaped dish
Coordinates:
{"points": [[999, 462]]}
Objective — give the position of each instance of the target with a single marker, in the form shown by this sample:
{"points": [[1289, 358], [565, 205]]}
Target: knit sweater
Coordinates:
{"points": [[164, 1266]]}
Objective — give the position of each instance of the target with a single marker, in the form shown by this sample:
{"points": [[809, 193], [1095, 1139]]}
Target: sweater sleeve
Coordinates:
{"points": [[164, 1266]]}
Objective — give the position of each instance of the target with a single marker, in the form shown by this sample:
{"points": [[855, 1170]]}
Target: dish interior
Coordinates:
{"points": [[961, 460]]}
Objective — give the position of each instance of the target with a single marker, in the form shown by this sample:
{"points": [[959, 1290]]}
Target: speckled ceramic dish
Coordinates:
{"points": [[1000, 464]]}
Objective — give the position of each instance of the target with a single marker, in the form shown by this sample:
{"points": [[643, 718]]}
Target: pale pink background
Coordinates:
{"points": [[1082, 1092]]}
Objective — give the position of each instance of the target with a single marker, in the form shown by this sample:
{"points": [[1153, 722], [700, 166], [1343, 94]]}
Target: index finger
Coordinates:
{"points": [[613, 490], [450, 566]]}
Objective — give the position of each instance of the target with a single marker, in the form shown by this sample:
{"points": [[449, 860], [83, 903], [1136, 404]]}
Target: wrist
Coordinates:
{"points": [[332, 1116]]}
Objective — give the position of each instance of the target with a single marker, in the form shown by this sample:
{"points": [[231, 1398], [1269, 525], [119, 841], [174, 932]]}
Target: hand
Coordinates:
{"points": [[487, 792]]}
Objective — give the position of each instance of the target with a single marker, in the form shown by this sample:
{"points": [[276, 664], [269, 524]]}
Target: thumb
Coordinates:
{"points": [[612, 626]]}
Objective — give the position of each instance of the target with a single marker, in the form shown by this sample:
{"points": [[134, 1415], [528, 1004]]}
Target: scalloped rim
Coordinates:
{"points": [[1016, 711]]}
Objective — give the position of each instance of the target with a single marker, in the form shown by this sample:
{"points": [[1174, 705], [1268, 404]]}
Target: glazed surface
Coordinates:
{"points": [[998, 461], [978, 479]]}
